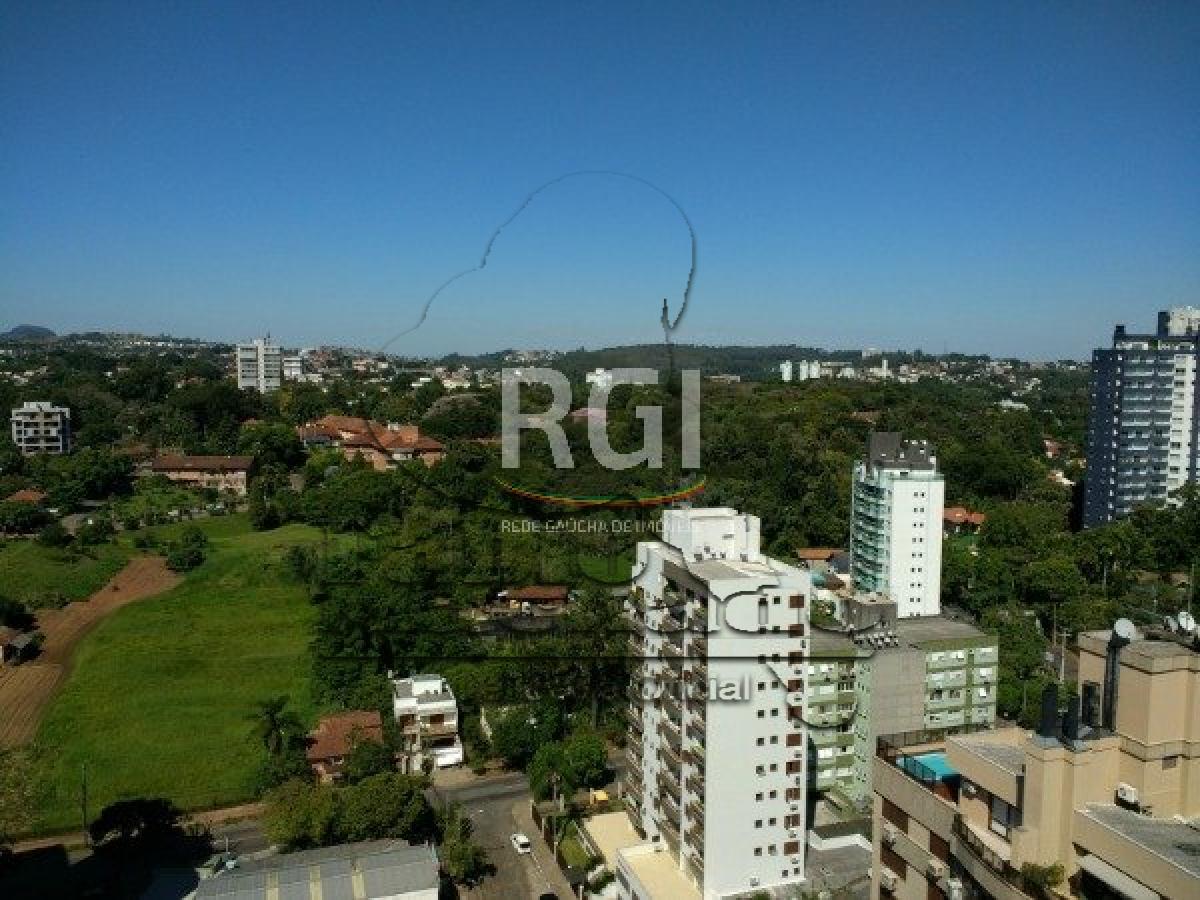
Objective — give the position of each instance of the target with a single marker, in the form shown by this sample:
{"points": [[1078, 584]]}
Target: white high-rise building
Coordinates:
{"points": [[896, 524], [717, 767], [259, 365], [41, 427], [785, 370]]}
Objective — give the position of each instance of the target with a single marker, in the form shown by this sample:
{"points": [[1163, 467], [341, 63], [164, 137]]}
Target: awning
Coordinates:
{"points": [[1116, 879]]}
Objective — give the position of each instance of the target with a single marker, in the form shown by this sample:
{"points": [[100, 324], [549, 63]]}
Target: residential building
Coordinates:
{"points": [[427, 715], [41, 427], [1144, 431], [930, 674], [230, 474], [259, 365], [370, 870], [785, 370], [716, 777], [960, 520], [292, 368], [599, 378], [335, 736], [383, 446], [896, 525], [1109, 791]]}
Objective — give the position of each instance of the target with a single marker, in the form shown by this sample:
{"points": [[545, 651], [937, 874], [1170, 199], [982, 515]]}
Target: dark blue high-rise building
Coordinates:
{"points": [[1142, 433]]}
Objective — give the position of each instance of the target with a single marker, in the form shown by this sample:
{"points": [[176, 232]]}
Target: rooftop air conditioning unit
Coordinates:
{"points": [[937, 869], [1127, 793], [888, 879], [890, 832], [954, 889]]}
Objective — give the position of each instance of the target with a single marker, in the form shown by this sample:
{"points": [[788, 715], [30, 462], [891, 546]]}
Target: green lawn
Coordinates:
{"points": [[49, 576], [160, 698]]}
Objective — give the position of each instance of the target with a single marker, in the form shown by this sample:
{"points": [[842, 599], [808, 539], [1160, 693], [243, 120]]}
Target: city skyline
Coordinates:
{"points": [[979, 181]]}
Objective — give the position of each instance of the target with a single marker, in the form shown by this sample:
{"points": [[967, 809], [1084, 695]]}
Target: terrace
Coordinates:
{"points": [[941, 782]]}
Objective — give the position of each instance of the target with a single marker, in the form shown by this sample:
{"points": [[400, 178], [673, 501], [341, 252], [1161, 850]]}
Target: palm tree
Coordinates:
{"points": [[276, 725]]}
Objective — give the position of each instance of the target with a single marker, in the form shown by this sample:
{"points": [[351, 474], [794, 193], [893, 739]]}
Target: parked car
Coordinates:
{"points": [[521, 843]]}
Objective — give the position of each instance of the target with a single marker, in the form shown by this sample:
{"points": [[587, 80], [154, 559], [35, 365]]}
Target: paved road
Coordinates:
{"points": [[499, 806]]}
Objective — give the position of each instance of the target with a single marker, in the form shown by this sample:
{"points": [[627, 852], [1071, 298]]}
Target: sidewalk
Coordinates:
{"points": [[209, 817]]}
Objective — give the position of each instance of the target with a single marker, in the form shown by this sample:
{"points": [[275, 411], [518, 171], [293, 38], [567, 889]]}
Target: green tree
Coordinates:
{"points": [[465, 861], [367, 758], [300, 814], [276, 726], [385, 806]]}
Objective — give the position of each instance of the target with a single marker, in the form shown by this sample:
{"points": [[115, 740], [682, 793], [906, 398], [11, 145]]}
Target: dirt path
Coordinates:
{"points": [[26, 689]]}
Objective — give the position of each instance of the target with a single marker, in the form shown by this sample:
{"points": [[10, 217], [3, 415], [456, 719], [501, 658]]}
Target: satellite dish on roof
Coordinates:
{"points": [[1125, 630], [1187, 622]]}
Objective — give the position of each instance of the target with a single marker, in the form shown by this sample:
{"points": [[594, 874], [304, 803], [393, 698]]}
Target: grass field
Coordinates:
{"points": [[48, 576], [158, 703]]}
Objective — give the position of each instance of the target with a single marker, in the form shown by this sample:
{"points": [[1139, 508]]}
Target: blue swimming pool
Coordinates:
{"points": [[922, 764]]}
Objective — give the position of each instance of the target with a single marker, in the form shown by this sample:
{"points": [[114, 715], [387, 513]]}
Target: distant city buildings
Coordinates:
{"points": [[785, 370], [717, 784], [41, 427], [1144, 431], [896, 524], [292, 368], [259, 366]]}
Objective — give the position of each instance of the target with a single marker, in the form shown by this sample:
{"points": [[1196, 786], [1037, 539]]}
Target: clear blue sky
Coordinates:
{"points": [[1002, 177]]}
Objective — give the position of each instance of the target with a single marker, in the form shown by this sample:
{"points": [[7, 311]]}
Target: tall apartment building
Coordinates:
{"points": [[896, 524], [929, 674], [716, 778], [1110, 791], [41, 427], [259, 365], [1144, 431]]}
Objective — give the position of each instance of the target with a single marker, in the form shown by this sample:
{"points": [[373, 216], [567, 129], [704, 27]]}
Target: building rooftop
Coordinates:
{"points": [[176, 463], [890, 450], [921, 630], [997, 747], [611, 832], [1176, 842], [334, 734], [659, 873], [369, 869]]}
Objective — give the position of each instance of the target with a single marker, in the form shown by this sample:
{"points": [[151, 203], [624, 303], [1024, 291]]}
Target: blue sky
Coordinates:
{"points": [[1010, 178]]}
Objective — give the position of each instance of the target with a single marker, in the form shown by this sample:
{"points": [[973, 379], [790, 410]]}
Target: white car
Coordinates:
{"points": [[521, 843]]}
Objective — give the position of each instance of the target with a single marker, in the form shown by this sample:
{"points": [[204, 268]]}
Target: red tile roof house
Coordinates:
{"points": [[225, 473], [335, 736], [960, 520], [28, 495], [383, 446]]}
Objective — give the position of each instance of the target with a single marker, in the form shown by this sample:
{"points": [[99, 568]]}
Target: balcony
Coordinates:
{"points": [[668, 784], [672, 754], [671, 732], [695, 784], [985, 863]]}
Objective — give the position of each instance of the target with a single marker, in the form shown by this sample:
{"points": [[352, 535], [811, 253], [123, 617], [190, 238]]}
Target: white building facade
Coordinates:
{"points": [[716, 776], [426, 713], [259, 365], [896, 524], [41, 427]]}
